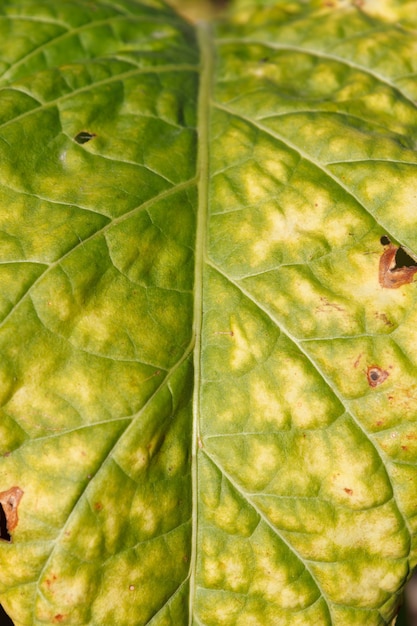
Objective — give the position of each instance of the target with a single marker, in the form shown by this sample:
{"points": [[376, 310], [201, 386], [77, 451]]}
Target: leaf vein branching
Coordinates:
{"points": [[70, 32], [381, 454], [56, 202], [143, 166], [289, 144], [332, 113], [148, 541], [327, 57], [109, 458], [317, 498], [106, 81], [168, 601], [118, 220], [268, 522]]}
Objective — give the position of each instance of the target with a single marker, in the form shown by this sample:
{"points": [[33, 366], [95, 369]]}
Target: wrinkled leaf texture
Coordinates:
{"points": [[190, 224]]}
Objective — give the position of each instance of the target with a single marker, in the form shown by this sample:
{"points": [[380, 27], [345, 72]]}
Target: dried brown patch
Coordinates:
{"points": [[396, 267], [9, 500]]}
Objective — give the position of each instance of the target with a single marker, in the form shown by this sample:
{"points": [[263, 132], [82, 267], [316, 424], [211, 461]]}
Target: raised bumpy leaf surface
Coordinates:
{"points": [[208, 316]]}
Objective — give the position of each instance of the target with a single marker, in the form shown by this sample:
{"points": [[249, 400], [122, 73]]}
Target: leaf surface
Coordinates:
{"points": [[207, 394]]}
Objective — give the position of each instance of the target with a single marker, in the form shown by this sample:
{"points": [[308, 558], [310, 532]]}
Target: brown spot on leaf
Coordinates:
{"points": [[396, 266], [59, 617], [9, 501], [326, 306], [376, 375], [384, 319], [348, 491], [98, 506]]}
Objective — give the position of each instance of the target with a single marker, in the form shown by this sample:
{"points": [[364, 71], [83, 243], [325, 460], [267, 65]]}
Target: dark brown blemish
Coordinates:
{"points": [[348, 491], [9, 502], [376, 375], [84, 136], [396, 266]]}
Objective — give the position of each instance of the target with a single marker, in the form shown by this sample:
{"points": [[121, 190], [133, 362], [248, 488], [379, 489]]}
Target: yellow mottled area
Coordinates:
{"points": [[223, 609], [227, 514], [65, 588], [34, 410], [94, 328], [367, 585], [145, 517], [378, 530], [288, 227], [245, 349], [350, 476], [7, 383], [385, 9], [266, 404], [263, 457], [259, 567]]}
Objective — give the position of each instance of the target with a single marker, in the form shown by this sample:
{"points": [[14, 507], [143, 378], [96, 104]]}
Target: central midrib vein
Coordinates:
{"points": [[203, 110]]}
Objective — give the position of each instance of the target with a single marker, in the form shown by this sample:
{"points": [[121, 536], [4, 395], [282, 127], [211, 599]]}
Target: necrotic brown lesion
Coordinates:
{"points": [[396, 266], [9, 503]]}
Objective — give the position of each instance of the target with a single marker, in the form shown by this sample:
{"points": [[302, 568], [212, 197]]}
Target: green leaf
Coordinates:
{"points": [[208, 374]]}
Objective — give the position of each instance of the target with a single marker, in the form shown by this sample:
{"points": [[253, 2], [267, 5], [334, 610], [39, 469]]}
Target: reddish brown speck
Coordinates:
{"points": [[51, 580], [404, 448], [356, 363], [59, 617], [98, 506], [348, 491]]}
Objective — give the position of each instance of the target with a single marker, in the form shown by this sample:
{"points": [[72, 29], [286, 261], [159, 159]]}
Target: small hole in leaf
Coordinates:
{"points": [[4, 533], [84, 136], [402, 259], [385, 241]]}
